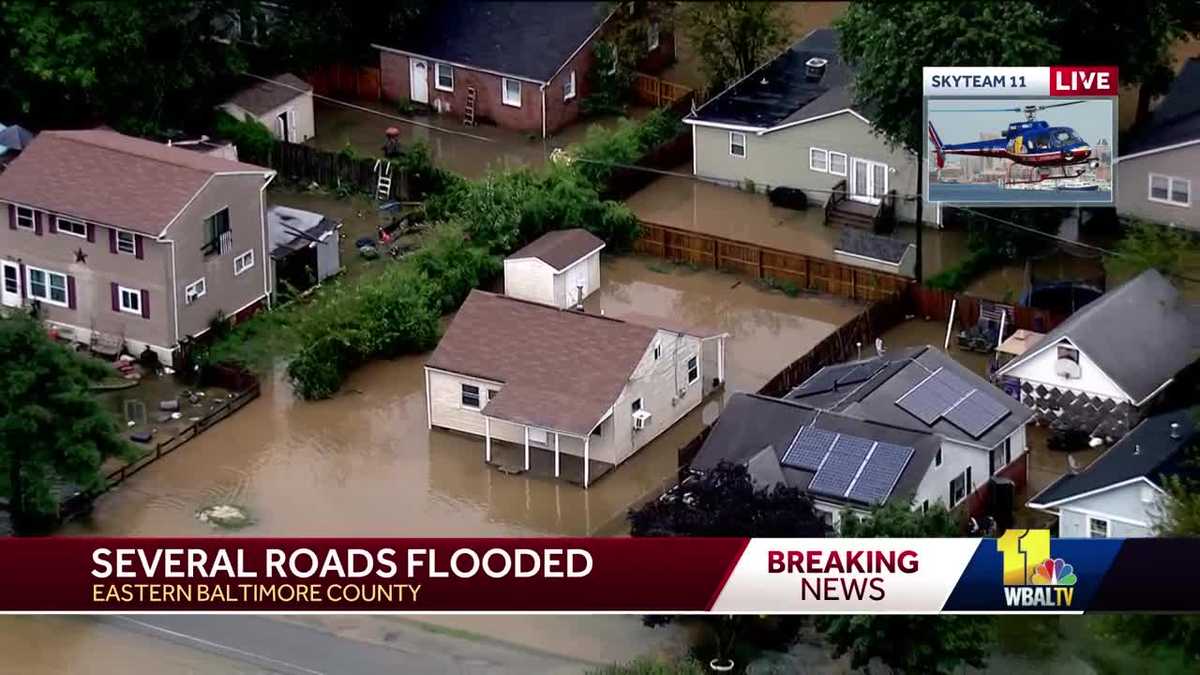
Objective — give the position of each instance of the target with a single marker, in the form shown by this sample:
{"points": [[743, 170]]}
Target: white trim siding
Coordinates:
{"points": [[733, 144], [125, 295], [1170, 198], [504, 95], [1152, 151], [58, 227], [437, 76], [47, 286]]}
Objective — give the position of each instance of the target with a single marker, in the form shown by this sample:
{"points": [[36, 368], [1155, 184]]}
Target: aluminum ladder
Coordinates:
{"points": [[469, 108], [383, 186]]}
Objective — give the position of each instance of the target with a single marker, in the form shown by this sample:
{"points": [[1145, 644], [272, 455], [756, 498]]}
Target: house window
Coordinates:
{"points": [[1097, 528], [1170, 190], [492, 393], [444, 79], [657, 350], [958, 487], [217, 237], [992, 461], [537, 436], [636, 405], [737, 144], [126, 243], [837, 163], [130, 300], [72, 227], [47, 286], [652, 37], [25, 219], [243, 262], [1068, 353], [693, 366], [511, 92], [937, 458], [194, 291], [569, 87], [470, 396], [818, 160]]}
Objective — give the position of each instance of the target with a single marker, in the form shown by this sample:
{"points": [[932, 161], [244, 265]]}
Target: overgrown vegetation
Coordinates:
{"points": [[991, 242], [252, 138], [625, 144], [733, 38], [649, 666], [1169, 250]]}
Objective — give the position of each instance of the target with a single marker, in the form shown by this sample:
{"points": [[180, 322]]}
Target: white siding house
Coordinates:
{"points": [[560, 268], [284, 105]]}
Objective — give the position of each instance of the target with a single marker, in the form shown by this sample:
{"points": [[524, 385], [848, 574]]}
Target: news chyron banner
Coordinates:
{"points": [[1022, 571]]}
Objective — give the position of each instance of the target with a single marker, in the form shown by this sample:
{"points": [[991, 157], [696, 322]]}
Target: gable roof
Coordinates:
{"points": [[525, 39], [561, 369], [560, 248], [750, 423], [1140, 334], [1148, 451], [263, 97], [779, 92], [875, 398], [1176, 119], [109, 178]]}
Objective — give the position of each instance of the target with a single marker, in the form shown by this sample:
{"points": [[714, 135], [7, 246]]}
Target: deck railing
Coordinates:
{"points": [[836, 196]]}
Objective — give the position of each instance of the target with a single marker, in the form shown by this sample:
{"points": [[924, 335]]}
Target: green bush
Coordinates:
{"points": [[958, 276], [423, 177], [626, 144], [648, 666], [254, 140]]}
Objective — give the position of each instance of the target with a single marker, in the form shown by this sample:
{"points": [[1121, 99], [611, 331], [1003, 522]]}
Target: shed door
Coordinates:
{"points": [[419, 81], [577, 277]]}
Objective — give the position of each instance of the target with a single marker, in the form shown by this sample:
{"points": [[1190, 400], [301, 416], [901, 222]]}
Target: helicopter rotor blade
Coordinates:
{"points": [[978, 109], [1057, 105]]}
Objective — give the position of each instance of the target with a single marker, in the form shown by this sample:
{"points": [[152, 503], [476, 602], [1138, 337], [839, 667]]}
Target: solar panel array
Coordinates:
{"points": [[841, 466], [808, 448], [880, 473], [830, 378], [860, 373], [945, 395]]}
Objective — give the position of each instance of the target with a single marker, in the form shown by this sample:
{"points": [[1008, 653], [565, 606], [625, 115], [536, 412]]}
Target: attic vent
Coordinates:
{"points": [[814, 68]]}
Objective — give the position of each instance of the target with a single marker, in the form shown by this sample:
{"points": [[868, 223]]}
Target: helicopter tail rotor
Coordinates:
{"points": [[937, 146]]}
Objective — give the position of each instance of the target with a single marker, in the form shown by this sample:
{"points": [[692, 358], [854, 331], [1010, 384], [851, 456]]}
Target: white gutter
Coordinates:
{"points": [[459, 65], [262, 214], [1152, 151], [174, 293], [543, 88]]}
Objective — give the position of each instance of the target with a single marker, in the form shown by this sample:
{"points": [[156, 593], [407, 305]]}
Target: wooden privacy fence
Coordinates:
{"points": [[804, 271], [936, 304], [658, 92], [343, 80], [307, 164], [623, 182], [166, 447]]}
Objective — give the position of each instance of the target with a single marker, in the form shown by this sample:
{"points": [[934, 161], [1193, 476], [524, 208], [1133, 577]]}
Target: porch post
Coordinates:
{"points": [[556, 454], [721, 359], [586, 462], [487, 439], [526, 447]]}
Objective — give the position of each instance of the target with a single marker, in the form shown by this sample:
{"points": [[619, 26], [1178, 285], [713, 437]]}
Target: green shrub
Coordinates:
{"points": [[648, 666], [423, 177], [626, 144], [254, 140], [957, 277]]}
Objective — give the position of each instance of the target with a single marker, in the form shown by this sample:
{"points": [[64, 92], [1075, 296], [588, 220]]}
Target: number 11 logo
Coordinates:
{"points": [[1023, 551]]}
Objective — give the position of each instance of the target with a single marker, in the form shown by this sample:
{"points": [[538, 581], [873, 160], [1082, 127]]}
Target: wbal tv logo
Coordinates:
{"points": [[1032, 577]]}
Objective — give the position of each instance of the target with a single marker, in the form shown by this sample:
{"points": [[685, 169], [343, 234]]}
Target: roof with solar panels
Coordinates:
{"points": [[831, 456], [920, 388]]}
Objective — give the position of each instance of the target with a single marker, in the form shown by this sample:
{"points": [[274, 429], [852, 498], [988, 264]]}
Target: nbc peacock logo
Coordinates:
{"points": [[1032, 577]]}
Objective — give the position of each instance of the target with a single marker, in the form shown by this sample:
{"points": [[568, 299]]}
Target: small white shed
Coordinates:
{"points": [[284, 105], [560, 268]]}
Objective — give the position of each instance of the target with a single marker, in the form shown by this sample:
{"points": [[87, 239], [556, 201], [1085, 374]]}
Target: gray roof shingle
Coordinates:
{"points": [[560, 248], [263, 97], [1175, 120]]}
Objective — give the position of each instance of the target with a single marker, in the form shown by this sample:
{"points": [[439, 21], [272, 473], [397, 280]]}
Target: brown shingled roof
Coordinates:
{"points": [[560, 248], [109, 178], [263, 97], [561, 369]]}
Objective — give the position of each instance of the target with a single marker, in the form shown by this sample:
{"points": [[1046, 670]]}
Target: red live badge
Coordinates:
{"points": [[1083, 81]]}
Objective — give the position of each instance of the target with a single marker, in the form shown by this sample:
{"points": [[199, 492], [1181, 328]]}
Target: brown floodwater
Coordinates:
{"points": [[365, 464]]}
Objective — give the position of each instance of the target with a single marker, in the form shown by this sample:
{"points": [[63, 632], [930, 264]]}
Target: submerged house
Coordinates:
{"points": [[842, 462], [124, 243], [980, 429], [792, 123], [1104, 365], [1121, 493], [584, 391], [560, 268]]}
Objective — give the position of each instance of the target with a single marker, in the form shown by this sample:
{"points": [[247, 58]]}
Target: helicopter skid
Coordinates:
{"points": [[1038, 176]]}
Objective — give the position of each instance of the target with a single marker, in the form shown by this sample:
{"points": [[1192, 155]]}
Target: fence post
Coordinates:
{"points": [[760, 263]]}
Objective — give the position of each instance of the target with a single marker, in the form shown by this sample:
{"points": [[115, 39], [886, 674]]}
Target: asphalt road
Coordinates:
{"points": [[284, 647]]}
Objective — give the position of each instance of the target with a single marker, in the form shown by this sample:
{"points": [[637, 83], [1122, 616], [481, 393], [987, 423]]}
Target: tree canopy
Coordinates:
{"points": [[52, 428], [733, 38], [908, 644], [1169, 250]]}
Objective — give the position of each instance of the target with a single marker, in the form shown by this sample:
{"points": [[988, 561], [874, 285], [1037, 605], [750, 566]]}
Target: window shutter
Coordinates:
{"points": [[70, 291], [145, 300], [137, 247], [24, 280], [91, 232], [112, 240], [53, 220], [37, 223], [116, 297], [12, 216]]}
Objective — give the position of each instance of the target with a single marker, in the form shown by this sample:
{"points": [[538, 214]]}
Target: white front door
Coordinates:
{"points": [[10, 293], [868, 180], [418, 78], [283, 126]]}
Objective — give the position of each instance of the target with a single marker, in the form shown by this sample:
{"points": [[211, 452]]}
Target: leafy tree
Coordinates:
{"points": [[888, 44], [908, 644], [725, 503], [1147, 245], [618, 53], [309, 33], [733, 38], [51, 427]]}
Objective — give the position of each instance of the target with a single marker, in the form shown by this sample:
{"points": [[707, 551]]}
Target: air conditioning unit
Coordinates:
{"points": [[641, 419], [1066, 368]]}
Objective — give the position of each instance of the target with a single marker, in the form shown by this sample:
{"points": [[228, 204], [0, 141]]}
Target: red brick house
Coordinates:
{"points": [[528, 62]]}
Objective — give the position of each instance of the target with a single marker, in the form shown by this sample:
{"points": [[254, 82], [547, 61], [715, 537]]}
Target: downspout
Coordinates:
{"points": [[543, 88], [262, 215], [174, 294]]}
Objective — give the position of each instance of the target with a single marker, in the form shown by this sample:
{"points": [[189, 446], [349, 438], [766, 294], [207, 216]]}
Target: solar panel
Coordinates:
{"points": [[860, 373], [880, 473], [841, 466], [823, 380], [934, 396], [976, 414], [808, 448]]}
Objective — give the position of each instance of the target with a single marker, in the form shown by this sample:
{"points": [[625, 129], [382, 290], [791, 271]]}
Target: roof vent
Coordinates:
{"points": [[1137, 448], [1175, 430], [814, 68]]}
